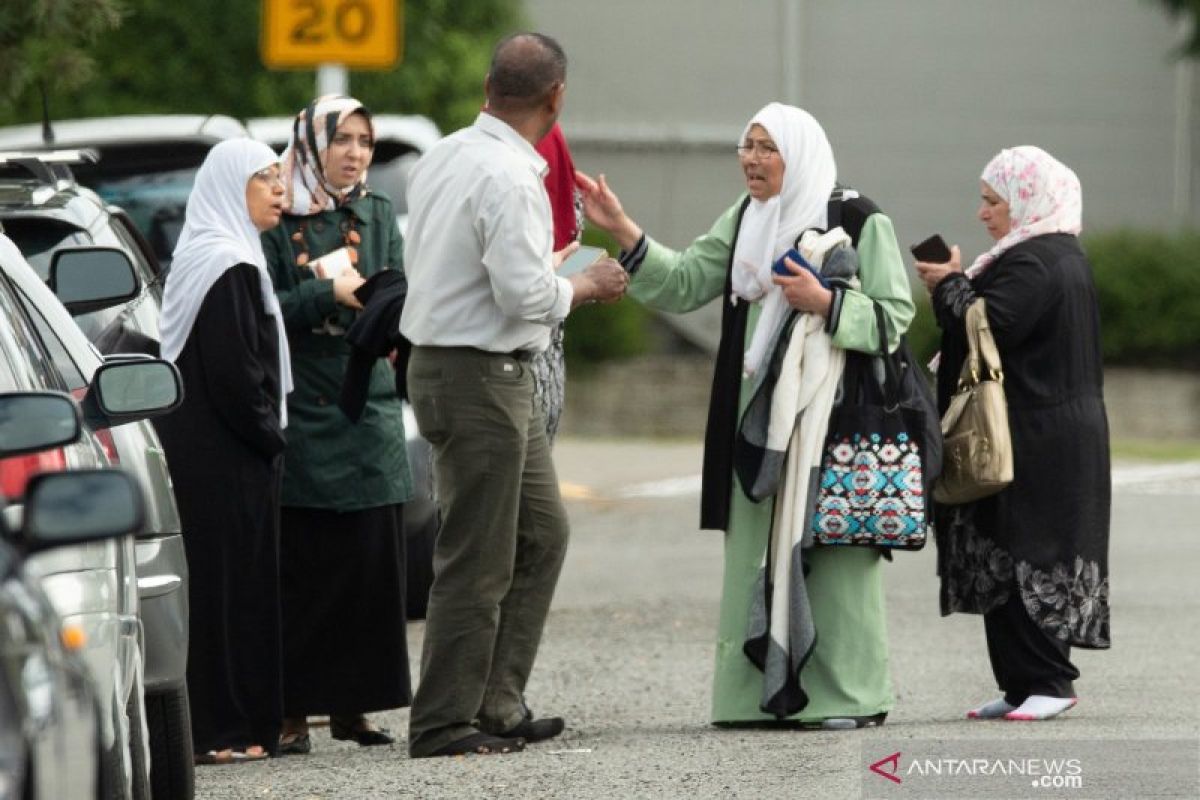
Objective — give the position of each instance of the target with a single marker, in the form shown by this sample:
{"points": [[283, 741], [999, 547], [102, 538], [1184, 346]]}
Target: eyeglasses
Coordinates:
{"points": [[761, 149], [269, 176]]}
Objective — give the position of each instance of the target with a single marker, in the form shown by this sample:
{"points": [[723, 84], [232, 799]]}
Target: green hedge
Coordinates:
{"points": [[605, 331], [1148, 285], [1149, 289]]}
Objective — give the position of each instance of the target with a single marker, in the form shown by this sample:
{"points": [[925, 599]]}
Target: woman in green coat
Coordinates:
{"points": [[342, 553], [841, 680]]}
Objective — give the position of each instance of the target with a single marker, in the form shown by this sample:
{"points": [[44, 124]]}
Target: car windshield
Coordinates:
{"points": [[155, 202]]}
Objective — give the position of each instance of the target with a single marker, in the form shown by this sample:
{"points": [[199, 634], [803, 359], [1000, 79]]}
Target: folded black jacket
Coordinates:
{"points": [[374, 334]]}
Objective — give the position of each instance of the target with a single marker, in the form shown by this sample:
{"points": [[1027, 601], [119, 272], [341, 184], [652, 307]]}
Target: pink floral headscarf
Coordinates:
{"points": [[1042, 193]]}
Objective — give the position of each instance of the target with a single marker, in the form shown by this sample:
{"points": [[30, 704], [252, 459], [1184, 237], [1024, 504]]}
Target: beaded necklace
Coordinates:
{"points": [[350, 237]]}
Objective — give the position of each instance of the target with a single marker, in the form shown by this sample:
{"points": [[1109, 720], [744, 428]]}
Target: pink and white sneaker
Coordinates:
{"points": [[1039, 707]]}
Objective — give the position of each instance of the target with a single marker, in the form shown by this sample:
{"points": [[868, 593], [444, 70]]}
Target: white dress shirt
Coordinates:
{"points": [[478, 247]]}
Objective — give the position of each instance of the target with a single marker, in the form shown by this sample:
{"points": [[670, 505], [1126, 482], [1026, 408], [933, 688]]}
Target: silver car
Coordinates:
{"points": [[108, 605], [44, 211]]}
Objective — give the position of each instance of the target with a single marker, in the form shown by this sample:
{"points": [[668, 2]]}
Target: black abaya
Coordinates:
{"points": [[223, 448]]}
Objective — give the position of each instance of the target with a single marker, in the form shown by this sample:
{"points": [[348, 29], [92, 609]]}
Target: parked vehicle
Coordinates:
{"points": [[50, 745], [68, 362], [147, 163], [46, 212]]}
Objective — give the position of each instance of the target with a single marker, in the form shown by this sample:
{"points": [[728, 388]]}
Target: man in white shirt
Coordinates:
{"points": [[482, 297]]}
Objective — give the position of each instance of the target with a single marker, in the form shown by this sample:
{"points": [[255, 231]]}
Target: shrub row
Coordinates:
{"points": [[1148, 285]]}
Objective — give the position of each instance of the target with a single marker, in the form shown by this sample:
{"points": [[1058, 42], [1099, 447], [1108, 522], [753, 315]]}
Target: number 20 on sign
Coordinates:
{"points": [[361, 34]]}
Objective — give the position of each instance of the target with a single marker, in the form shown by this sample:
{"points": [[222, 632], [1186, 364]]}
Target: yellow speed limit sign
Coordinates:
{"points": [[361, 34]]}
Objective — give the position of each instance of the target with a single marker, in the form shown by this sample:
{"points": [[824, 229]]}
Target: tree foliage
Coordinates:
{"points": [[47, 41], [203, 57], [1189, 10]]}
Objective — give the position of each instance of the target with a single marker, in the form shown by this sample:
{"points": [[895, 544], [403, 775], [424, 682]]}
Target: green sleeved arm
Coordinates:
{"points": [[883, 278], [305, 304], [674, 281]]}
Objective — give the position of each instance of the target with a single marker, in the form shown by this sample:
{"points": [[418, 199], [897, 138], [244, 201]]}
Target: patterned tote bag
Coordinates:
{"points": [[877, 465]]}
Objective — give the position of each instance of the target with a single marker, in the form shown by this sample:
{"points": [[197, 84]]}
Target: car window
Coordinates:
{"points": [[37, 238], [63, 363], [26, 364], [155, 201]]}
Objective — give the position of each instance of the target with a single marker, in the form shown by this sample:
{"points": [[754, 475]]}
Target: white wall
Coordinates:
{"points": [[916, 96]]}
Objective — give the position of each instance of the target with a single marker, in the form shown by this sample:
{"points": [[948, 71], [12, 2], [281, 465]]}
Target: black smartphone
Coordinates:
{"points": [[933, 250]]}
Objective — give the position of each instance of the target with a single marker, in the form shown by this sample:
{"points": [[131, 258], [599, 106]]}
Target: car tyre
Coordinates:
{"points": [[137, 747], [172, 771]]}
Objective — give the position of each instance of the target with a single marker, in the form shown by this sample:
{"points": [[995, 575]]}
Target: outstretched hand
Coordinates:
{"points": [[603, 209]]}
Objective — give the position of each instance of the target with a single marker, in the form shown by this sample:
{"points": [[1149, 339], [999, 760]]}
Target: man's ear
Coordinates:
{"points": [[556, 98], [487, 90]]}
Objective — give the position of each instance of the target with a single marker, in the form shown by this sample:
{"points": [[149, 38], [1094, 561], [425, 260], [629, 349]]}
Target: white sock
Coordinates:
{"points": [[1039, 706], [994, 710]]}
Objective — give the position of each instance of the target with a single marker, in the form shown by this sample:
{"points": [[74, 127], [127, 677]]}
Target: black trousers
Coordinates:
{"points": [[1025, 659]]}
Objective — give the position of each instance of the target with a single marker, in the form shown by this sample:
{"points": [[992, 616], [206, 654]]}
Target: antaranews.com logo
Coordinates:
{"points": [[979, 768], [1065, 773]]}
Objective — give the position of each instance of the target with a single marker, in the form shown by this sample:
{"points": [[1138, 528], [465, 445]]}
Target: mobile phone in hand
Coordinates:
{"points": [[780, 267], [580, 260], [932, 251]]}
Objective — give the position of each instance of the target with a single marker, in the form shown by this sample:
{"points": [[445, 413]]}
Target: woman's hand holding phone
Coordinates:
{"points": [[933, 272]]}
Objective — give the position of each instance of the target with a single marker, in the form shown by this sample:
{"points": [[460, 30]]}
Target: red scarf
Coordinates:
{"points": [[560, 186]]}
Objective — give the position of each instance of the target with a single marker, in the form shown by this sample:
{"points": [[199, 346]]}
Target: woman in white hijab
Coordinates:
{"points": [[831, 670], [221, 326]]}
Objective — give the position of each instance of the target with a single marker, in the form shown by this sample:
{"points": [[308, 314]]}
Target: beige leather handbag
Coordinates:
{"points": [[977, 458]]}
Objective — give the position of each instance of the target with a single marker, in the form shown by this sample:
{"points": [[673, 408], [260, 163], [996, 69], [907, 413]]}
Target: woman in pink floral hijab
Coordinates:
{"points": [[1033, 559], [1042, 193]]}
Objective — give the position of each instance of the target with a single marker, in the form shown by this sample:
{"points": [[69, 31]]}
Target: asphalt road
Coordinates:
{"points": [[627, 659]]}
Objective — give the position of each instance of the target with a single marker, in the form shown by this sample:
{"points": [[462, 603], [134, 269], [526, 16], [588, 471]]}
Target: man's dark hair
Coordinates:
{"points": [[525, 67]]}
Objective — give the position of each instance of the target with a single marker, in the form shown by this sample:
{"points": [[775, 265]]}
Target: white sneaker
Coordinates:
{"points": [[994, 710], [1039, 706]]}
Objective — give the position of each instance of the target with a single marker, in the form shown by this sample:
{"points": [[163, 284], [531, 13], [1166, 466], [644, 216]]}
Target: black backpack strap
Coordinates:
{"points": [[850, 209]]}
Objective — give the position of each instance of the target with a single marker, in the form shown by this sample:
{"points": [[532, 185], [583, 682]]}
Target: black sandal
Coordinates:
{"points": [[479, 744], [360, 730], [294, 743]]}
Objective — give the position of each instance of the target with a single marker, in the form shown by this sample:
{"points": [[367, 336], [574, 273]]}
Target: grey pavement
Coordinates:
{"points": [[627, 659]]}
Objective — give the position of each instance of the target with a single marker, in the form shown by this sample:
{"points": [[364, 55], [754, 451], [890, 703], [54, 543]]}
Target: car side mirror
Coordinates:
{"points": [[33, 421], [88, 279], [64, 508], [128, 390]]}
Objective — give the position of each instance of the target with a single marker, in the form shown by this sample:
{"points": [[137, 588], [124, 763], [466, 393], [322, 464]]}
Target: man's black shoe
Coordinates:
{"points": [[536, 730]]}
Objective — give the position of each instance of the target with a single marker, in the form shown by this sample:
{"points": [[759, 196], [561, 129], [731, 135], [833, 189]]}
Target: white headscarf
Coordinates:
{"points": [[1042, 193], [769, 227], [218, 234]]}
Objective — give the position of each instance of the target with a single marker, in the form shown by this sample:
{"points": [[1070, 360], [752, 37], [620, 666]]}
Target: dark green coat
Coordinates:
{"points": [[331, 462]]}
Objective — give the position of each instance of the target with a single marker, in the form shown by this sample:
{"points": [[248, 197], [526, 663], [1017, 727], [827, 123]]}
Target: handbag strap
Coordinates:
{"points": [[981, 346], [891, 377]]}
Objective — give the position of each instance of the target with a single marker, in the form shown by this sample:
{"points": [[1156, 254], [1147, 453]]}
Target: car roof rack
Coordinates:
{"points": [[50, 166]]}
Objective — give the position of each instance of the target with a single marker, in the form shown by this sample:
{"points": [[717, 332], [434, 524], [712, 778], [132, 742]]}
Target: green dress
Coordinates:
{"points": [[848, 673]]}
